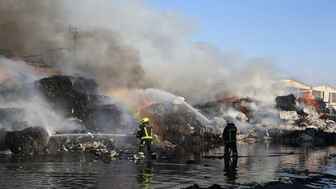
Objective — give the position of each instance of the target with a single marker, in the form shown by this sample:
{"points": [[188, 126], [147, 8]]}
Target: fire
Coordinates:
{"points": [[309, 99], [139, 105], [134, 100]]}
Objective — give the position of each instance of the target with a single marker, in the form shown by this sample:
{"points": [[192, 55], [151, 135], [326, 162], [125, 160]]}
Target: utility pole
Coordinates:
{"points": [[74, 31]]}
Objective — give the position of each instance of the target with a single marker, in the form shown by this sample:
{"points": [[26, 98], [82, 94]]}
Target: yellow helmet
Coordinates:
{"points": [[145, 120]]}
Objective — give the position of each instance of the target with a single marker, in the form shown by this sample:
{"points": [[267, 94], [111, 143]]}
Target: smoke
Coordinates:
{"points": [[197, 71], [24, 106], [127, 44], [27, 27], [42, 29]]}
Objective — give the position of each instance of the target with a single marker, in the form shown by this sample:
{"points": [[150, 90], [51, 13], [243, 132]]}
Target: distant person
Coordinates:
{"points": [[144, 133], [230, 140]]}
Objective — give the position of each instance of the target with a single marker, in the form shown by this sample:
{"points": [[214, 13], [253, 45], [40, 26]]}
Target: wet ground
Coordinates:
{"points": [[257, 164]]}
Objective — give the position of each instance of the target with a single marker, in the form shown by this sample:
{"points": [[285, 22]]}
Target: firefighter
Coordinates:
{"points": [[145, 135], [230, 140]]}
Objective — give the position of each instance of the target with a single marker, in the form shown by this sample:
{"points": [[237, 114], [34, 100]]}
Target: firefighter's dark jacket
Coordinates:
{"points": [[229, 134], [144, 132]]}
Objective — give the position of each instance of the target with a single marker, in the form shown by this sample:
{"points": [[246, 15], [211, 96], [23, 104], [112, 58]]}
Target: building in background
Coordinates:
{"points": [[296, 87], [324, 93]]}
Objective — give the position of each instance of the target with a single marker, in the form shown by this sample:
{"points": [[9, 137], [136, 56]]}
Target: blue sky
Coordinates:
{"points": [[299, 35]]}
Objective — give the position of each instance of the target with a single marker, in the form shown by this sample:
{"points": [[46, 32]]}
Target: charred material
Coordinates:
{"points": [[29, 141], [78, 98], [286, 103], [71, 95], [3, 145], [183, 126]]}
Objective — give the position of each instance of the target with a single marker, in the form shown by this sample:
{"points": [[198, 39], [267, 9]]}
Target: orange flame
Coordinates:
{"points": [[309, 99]]}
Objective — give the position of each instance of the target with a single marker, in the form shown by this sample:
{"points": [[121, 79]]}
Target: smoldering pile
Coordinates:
{"points": [[289, 120], [130, 56], [126, 55], [88, 119], [73, 105], [177, 122], [304, 123]]}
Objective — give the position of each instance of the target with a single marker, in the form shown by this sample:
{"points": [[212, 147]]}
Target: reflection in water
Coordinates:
{"points": [[256, 163], [145, 175], [230, 168]]}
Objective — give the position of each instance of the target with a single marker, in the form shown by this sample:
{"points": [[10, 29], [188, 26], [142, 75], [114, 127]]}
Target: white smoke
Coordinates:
{"points": [[129, 44], [163, 42], [36, 111]]}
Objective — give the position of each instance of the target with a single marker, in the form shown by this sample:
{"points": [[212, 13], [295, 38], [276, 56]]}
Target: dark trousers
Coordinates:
{"points": [[230, 149], [145, 145]]}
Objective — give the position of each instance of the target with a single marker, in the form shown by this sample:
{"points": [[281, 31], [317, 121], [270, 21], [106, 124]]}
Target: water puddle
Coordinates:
{"points": [[257, 163]]}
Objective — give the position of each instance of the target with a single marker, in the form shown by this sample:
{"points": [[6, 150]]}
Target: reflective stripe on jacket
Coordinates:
{"points": [[147, 134]]}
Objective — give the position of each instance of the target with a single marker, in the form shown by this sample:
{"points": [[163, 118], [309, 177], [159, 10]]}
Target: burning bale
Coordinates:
{"points": [[18, 135], [29, 141], [72, 105], [77, 97], [69, 94], [180, 124]]}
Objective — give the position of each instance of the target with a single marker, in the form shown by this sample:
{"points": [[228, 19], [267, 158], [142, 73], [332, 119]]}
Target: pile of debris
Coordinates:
{"points": [[29, 141], [179, 124], [303, 123], [101, 146], [290, 121], [184, 131], [78, 97], [176, 123], [37, 141], [75, 100], [80, 143], [216, 108]]}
